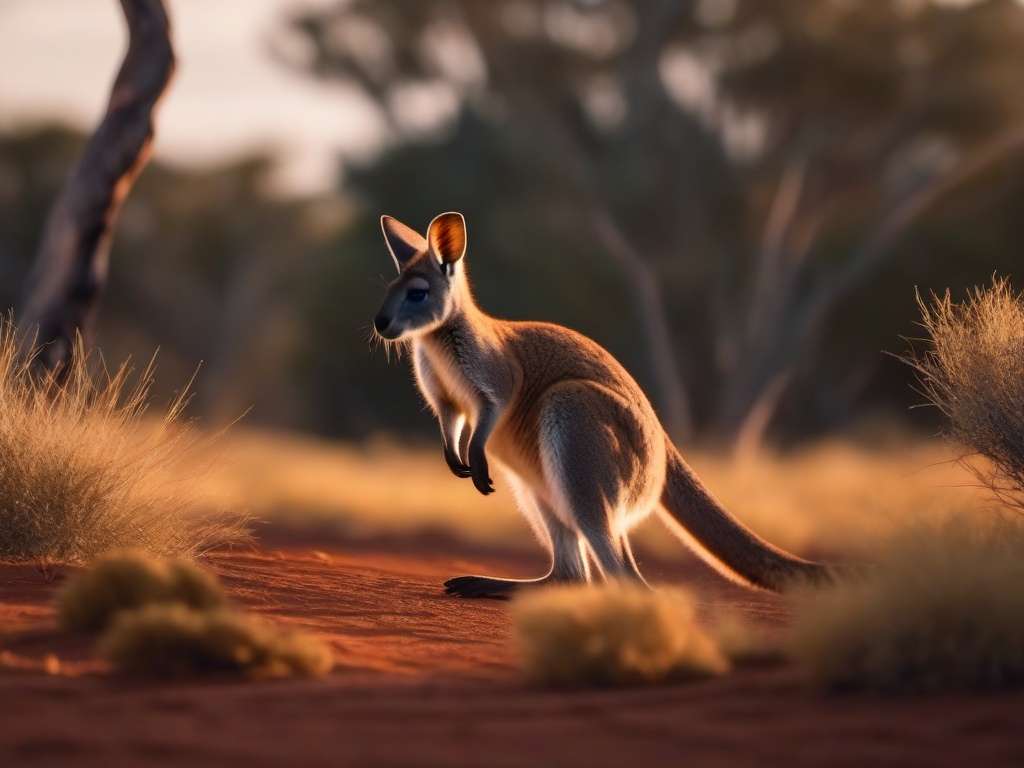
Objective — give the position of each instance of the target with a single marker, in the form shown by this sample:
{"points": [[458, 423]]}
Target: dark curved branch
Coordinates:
{"points": [[70, 269]]}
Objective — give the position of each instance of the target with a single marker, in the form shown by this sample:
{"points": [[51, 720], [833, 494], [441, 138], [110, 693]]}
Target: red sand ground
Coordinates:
{"points": [[427, 680]]}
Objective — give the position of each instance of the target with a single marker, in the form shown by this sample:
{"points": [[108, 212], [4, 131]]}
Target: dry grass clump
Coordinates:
{"points": [[80, 476], [173, 641], [943, 610], [91, 601], [613, 634], [974, 372]]}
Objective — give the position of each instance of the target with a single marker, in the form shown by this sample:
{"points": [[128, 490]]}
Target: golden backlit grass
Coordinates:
{"points": [[170, 618], [611, 635], [944, 609], [127, 581], [80, 476], [171, 640], [834, 497], [974, 371]]}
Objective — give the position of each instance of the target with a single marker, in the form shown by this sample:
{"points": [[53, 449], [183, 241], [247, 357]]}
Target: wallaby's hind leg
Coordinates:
{"points": [[568, 558], [600, 461], [630, 559], [612, 554]]}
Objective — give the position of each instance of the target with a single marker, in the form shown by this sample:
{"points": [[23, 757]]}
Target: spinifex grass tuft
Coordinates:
{"points": [[128, 581], [82, 473], [600, 635], [943, 610], [174, 641]]}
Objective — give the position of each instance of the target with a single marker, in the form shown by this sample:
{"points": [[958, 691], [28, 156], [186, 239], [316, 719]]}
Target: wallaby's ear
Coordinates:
{"points": [[403, 242], [446, 238]]}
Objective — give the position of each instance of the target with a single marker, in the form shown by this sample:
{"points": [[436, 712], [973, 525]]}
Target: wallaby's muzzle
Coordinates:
{"points": [[381, 323]]}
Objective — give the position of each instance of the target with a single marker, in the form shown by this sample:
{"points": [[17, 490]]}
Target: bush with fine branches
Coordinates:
{"points": [[974, 372]]}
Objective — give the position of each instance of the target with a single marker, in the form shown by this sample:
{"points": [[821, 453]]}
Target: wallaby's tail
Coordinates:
{"points": [[723, 541]]}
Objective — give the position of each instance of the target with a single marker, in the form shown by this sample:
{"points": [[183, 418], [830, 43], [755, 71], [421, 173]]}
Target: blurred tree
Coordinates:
{"points": [[867, 115], [206, 266], [574, 85], [744, 165], [70, 270]]}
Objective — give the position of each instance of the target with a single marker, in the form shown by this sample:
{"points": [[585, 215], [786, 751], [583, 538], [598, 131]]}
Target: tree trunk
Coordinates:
{"points": [[70, 269]]}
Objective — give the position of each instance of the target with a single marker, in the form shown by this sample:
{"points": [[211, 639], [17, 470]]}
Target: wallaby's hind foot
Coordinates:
{"points": [[502, 589], [483, 586]]}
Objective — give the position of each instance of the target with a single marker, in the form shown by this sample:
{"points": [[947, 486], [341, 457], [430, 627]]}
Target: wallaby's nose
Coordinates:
{"points": [[380, 322]]}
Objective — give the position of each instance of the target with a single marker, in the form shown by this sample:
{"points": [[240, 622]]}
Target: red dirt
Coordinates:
{"points": [[430, 681]]}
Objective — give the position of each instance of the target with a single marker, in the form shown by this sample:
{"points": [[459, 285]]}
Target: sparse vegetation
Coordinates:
{"points": [[81, 474], [831, 497], [944, 609], [974, 372], [173, 641], [611, 635], [91, 601]]}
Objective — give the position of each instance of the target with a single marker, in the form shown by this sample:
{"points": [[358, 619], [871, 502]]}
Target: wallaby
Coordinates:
{"points": [[579, 442]]}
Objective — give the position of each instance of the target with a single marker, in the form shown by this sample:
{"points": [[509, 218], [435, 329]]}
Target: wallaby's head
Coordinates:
{"points": [[429, 283]]}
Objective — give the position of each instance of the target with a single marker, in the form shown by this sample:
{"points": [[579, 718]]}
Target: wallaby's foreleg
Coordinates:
{"points": [[486, 420], [449, 416], [464, 437], [453, 427]]}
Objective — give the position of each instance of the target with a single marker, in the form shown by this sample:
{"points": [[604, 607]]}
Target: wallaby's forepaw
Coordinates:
{"points": [[455, 464], [480, 586], [483, 484], [480, 473]]}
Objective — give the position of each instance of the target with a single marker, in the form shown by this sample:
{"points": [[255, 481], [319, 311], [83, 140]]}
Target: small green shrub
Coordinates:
{"points": [[126, 581], [944, 609], [173, 641], [611, 635]]}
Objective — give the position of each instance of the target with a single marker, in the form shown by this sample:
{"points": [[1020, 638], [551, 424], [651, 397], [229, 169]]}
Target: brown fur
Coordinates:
{"points": [[576, 436]]}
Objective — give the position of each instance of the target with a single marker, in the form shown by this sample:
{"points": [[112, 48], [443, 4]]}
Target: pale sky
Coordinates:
{"points": [[229, 99]]}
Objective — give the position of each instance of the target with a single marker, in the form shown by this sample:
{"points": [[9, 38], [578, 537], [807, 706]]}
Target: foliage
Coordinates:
{"points": [[611, 635], [943, 610], [174, 641], [751, 152], [127, 581], [82, 475], [206, 266], [764, 159]]}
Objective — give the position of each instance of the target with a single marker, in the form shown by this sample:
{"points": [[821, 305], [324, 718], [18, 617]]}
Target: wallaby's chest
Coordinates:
{"points": [[451, 373]]}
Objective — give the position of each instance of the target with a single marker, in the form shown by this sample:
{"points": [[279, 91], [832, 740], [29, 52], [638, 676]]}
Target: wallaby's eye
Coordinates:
{"points": [[416, 294]]}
